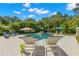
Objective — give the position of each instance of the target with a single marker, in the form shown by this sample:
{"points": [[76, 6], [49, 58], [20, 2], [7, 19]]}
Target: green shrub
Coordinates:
{"points": [[53, 30], [77, 38], [22, 49]]}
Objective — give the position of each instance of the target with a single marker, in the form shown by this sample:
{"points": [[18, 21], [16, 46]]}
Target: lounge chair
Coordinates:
{"points": [[51, 41], [29, 40], [29, 50], [30, 45]]}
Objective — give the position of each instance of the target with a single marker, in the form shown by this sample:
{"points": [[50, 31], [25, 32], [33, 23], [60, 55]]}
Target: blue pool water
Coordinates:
{"points": [[40, 36]]}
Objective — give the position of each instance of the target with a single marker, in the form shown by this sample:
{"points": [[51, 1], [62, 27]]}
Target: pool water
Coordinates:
{"points": [[40, 36]]}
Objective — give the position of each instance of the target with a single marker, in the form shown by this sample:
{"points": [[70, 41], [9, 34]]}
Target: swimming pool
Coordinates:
{"points": [[40, 36]]}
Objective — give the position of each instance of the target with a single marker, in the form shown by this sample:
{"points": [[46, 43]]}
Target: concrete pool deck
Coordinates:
{"points": [[10, 47], [69, 45]]}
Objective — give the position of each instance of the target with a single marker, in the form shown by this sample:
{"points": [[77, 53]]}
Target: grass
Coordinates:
{"points": [[77, 38]]}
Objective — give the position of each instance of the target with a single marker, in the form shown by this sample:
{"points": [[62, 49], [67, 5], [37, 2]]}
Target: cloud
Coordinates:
{"points": [[23, 9], [54, 13], [17, 12], [26, 4], [43, 12], [71, 6], [32, 9], [30, 16], [38, 11], [24, 16]]}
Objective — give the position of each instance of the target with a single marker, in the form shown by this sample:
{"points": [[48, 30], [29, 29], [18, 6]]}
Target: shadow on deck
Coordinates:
{"points": [[57, 51]]}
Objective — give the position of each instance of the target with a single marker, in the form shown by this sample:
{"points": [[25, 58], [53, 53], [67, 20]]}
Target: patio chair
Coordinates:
{"points": [[29, 50], [6, 35], [29, 40], [30, 45], [51, 41], [13, 33]]}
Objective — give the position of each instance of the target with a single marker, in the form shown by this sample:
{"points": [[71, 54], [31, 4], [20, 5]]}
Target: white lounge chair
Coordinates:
{"points": [[30, 45], [51, 41]]}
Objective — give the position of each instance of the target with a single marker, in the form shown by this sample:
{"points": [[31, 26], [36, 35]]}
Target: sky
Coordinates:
{"points": [[35, 10]]}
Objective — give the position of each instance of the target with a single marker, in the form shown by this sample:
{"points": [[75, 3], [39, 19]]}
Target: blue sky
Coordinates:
{"points": [[35, 10]]}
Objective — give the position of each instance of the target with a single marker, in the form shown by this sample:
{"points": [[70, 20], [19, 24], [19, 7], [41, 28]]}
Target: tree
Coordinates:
{"points": [[29, 19], [15, 26], [76, 10]]}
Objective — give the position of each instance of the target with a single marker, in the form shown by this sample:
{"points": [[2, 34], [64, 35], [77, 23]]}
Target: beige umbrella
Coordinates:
{"points": [[26, 29]]}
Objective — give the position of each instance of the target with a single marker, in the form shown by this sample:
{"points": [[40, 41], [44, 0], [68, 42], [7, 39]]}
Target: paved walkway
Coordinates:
{"points": [[10, 47], [69, 45]]}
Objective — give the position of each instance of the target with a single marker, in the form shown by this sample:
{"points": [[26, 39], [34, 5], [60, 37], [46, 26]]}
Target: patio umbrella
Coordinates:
{"points": [[26, 29], [59, 29]]}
